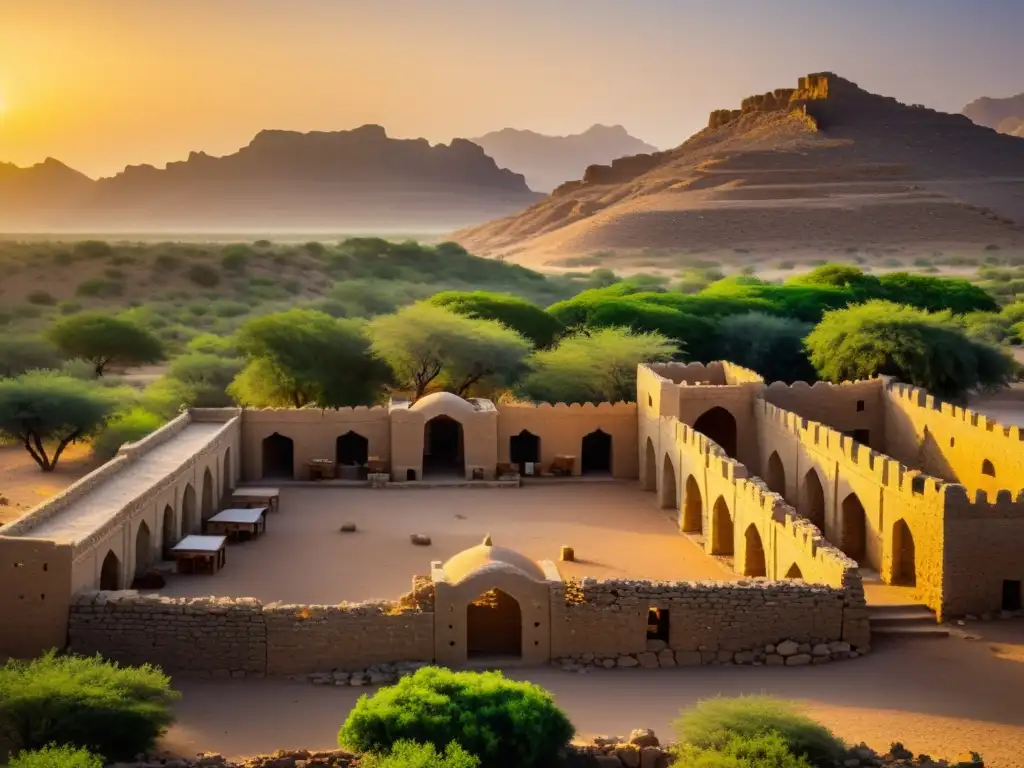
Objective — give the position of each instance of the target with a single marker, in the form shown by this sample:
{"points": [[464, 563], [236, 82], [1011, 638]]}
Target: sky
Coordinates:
{"points": [[100, 84]]}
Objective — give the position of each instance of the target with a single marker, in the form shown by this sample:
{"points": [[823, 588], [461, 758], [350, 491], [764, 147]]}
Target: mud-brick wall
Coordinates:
{"points": [[315, 638], [208, 637]]}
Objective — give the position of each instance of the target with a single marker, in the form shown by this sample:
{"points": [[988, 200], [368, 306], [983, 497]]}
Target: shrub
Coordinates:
{"points": [[41, 297], [99, 288], [167, 262], [93, 249], [113, 711], [56, 757], [724, 724], [409, 754], [21, 354], [235, 258], [203, 275], [125, 428], [69, 307], [506, 724], [764, 751]]}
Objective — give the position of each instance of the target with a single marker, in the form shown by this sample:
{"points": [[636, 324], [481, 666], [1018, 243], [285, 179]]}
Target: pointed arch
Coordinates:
{"points": [[753, 554], [904, 560], [524, 449], [596, 453], [143, 549], [209, 508], [794, 572], [693, 507], [776, 474], [189, 518], [721, 529], [718, 425], [227, 478], [351, 449], [668, 496], [812, 499], [168, 533], [650, 467], [278, 457], [853, 528], [110, 572], [443, 447]]}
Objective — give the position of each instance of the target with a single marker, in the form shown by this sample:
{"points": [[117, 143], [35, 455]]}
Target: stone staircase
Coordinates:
{"points": [[908, 621]]}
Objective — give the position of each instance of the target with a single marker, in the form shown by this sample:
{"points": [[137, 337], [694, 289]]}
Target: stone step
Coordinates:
{"points": [[934, 632]]}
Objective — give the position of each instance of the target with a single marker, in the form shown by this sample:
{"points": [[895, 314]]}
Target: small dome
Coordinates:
{"points": [[442, 404], [487, 555]]}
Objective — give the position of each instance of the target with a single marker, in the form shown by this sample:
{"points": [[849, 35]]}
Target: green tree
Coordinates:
{"points": [[56, 757], [19, 354], [42, 408], [309, 357], [926, 350], [427, 345], [128, 427], [520, 315], [772, 346], [936, 294], [104, 339], [594, 367], [862, 286]]}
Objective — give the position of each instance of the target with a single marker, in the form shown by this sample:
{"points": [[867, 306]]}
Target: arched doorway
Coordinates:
{"points": [[753, 560], [693, 507], [110, 572], [988, 468], [524, 449], [794, 572], [351, 450], [227, 480], [168, 536], [189, 523], [854, 528], [721, 529], [209, 509], [650, 467], [143, 549], [596, 453], [443, 447], [669, 498], [719, 425], [494, 626], [776, 475], [278, 457], [812, 500], [904, 565]]}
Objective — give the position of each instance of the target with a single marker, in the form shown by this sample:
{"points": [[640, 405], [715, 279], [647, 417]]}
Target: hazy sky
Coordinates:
{"points": [[102, 83]]}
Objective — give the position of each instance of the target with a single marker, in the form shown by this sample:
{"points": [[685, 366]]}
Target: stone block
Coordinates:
{"points": [[724, 657], [629, 756], [655, 646], [688, 658], [820, 650], [787, 648], [626, 661], [744, 657], [774, 660], [798, 660], [653, 757], [647, 660], [666, 655]]}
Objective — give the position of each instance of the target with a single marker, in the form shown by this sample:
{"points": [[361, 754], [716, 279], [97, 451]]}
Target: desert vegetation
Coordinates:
{"points": [[353, 323]]}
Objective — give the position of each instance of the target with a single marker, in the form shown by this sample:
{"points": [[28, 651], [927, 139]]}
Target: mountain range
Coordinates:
{"points": [[282, 180], [1003, 115], [548, 161], [823, 166]]}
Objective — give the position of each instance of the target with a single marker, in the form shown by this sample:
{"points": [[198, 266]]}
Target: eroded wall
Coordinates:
{"points": [[35, 594]]}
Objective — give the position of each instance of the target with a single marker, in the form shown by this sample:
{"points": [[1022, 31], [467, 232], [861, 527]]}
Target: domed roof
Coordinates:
{"points": [[437, 403], [486, 555]]}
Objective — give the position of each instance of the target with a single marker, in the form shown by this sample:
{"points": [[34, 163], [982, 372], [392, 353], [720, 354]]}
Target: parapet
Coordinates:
{"points": [[959, 505], [713, 374], [920, 398], [620, 408], [313, 415]]}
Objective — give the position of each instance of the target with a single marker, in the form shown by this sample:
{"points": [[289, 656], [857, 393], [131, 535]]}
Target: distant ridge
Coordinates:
{"points": [[826, 165], [282, 180], [548, 161], [1003, 115]]}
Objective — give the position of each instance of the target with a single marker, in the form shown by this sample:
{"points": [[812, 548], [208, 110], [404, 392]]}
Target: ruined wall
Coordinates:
{"points": [[35, 592], [561, 429], [241, 637], [952, 443], [314, 434], [851, 407]]}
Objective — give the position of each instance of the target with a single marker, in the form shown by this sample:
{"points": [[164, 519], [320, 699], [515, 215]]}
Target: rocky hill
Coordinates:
{"points": [[823, 166], [282, 180], [1003, 115], [548, 161]]}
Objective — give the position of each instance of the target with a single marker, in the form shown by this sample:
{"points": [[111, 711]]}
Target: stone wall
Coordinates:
{"points": [[850, 407], [35, 592]]}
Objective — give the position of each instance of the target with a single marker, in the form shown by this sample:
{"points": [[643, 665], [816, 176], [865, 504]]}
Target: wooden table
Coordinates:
{"points": [[321, 469], [199, 554], [238, 524], [257, 497]]}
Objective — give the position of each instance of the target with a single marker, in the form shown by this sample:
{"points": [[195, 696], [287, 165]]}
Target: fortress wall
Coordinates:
{"points": [[313, 432], [708, 622], [561, 429], [951, 442], [847, 407], [35, 592]]}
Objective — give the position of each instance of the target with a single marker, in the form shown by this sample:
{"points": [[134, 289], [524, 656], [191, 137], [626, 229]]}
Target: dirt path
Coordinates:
{"points": [[24, 485], [941, 697]]}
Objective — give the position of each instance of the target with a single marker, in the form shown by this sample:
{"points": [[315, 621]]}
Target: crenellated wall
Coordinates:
{"points": [[855, 408]]}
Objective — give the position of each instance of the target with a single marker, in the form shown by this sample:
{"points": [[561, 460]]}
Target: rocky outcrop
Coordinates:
{"points": [[1003, 115]]}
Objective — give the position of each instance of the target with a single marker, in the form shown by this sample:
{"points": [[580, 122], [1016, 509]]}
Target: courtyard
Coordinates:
{"points": [[616, 529]]}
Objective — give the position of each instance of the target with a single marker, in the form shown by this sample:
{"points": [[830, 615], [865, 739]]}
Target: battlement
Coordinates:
{"points": [[959, 504], [713, 374], [314, 415], [621, 407], [845, 386], [920, 398]]}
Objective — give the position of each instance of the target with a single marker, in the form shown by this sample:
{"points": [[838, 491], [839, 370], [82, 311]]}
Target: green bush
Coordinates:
{"points": [[724, 724], [42, 298], [125, 428], [764, 751], [506, 724], [167, 262], [409, 754], [99, 288], [55, 756], [203, 275], [115, 712]]}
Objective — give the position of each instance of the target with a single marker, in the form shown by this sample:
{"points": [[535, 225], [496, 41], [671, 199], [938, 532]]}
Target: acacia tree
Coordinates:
{"points": [[427, 345], [772, 346], [104, 339], [594, 367], [513, 312], [46, 412], [926, 350]]}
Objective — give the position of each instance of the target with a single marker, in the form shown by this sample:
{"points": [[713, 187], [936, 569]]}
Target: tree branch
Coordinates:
{"points": [[64, 444]]}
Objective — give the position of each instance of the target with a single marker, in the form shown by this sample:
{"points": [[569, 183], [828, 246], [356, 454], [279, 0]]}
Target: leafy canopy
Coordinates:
{"points": [[27, 353], [47, 411], [409, 754], [594, 367], [772, 346], [520, 315], [104, 339]]}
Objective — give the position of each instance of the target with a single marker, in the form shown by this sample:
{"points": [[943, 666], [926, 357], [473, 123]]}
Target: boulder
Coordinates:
{"points": [[820, 650], [348, 528], [798, 660], [688, 658], [653, 757], [627, 661], [647, 660], [666, 658], [787, 648], [838, 646], [655, 646], [774, 660], [420, 539], [744, 657], [643, 737]]}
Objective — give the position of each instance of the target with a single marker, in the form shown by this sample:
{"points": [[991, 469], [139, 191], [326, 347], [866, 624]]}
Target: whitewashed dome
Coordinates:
{"points": [[487, 556], [437, 403]]}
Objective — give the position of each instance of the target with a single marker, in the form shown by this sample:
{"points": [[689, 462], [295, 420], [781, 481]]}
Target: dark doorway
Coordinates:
{"points": [[278, 457], [812, 502], [669, 499], [650, 468], [189, 524], [110, 572], [596, 455], [657, 624], [351, 449], [167, 534], [720, 426], [143, 549], [227, 482], [753, 564], [776, 475], [524, 449], [721, 529], [693, 507], [442, 447], [1011, 595], [904, 568], [854, 528], [208, 508], [494, 626]]}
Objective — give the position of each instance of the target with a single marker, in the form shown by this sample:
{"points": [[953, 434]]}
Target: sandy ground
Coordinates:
{"points": [[24, 485], [941, 697], [615, 528]]}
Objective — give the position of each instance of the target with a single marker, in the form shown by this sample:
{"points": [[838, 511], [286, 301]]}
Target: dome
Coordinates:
{"points": [[442, 404], [486, 555]]}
